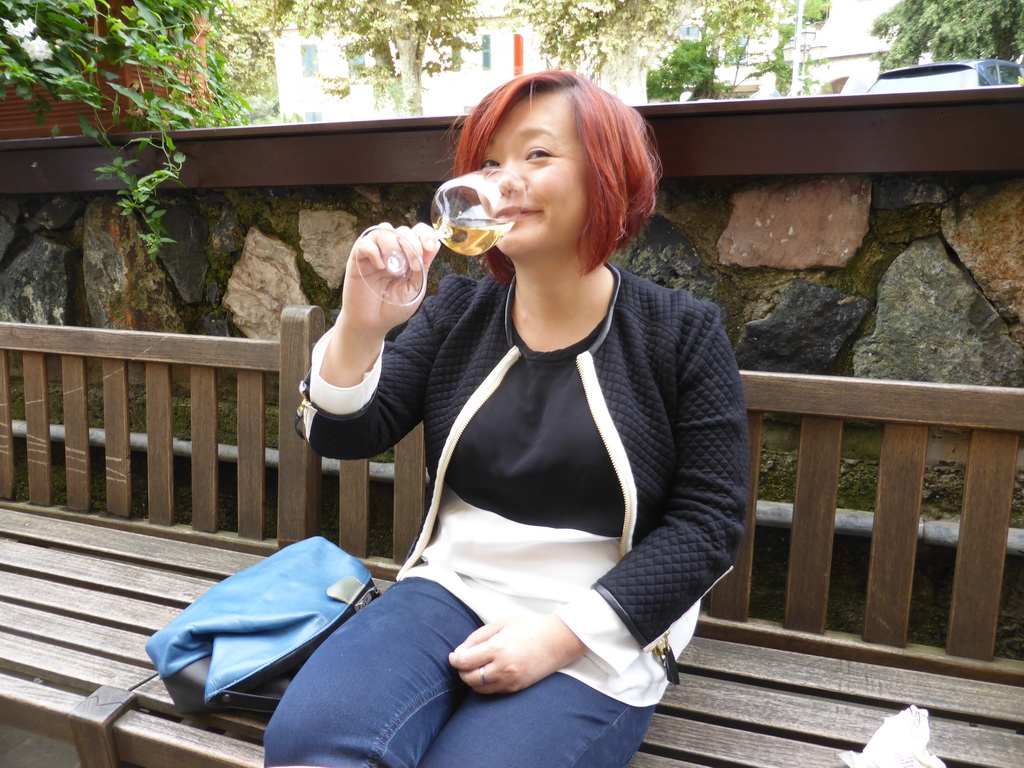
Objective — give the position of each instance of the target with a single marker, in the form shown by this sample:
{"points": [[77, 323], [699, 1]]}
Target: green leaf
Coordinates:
{"points": [[88, 129], [147, 15], [130, 94]]}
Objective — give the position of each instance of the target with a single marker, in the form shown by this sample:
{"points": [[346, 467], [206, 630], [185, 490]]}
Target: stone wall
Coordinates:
{"points": [[890, 277]]}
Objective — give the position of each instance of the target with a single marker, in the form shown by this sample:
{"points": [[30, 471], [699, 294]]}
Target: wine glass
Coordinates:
{"points": [[470, 214], [473, 212]]}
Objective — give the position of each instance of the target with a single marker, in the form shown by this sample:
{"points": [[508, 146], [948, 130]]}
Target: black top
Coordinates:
{"points": [[533, 454]]}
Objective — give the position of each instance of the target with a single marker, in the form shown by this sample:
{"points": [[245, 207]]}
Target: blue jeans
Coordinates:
{"points": [[380, 692]]}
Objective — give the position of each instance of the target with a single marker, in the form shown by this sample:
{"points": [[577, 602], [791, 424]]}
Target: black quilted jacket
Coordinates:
{"points": [[669, 378]]}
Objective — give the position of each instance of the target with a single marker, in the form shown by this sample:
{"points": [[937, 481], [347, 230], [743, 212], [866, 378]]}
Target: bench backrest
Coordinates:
{"points": [[819, 408], [55, 374], [908, 415]]}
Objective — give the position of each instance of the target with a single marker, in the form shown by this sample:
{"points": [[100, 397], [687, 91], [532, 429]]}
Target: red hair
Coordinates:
{"points": [[623, 169]]}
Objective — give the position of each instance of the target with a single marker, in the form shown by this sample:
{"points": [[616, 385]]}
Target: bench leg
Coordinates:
{"points": [[92, 726]]}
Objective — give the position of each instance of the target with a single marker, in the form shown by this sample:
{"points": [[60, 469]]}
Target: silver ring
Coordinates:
{"points": [[483, 680]]}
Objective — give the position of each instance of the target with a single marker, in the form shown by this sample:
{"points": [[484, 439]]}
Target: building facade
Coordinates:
{"points": [[310, 69]]}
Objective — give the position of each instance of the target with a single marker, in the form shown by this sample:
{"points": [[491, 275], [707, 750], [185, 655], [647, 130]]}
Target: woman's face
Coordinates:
{"points": [[538, 140]]}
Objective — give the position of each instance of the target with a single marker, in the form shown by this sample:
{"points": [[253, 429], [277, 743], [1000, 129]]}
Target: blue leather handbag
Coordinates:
{"points": [[241, 642]]}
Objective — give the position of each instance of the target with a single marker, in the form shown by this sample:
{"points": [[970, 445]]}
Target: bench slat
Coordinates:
{"points": [[814, 509], [118, 446], [354, 507], [44, 626], [111, 576], [160, 440], [131, 547], [906, 402], [204, 448], [143, 346], [87, 604], [252, 439], [833, 723], [38, 709], [980, 556], [721, 745], [37, 428], [6, 433], [894, 539], [645, 760], [158, 743], [730, 599], [410, 492], [878, 685], [65, 667], [298, 500], [77, 454]]}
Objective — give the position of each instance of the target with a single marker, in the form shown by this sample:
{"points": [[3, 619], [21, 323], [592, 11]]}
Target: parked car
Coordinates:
{"points": [[949, 76]]}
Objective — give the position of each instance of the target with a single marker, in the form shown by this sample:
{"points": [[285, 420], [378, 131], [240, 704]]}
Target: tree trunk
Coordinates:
{"points": [[410, 64], [625, 75]]}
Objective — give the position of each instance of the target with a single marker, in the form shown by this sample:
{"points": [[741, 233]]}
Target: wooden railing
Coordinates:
{"points": [[887, 133]]}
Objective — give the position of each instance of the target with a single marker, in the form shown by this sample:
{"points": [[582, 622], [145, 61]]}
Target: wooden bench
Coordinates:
{"points": [[81, 591]]}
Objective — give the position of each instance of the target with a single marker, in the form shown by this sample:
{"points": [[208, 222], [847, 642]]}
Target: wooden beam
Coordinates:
{"points": [[298, 501], [814, 510], [6, 432], [160, 443], [37, 418], [981, 554], [141, 346], [894, 538], [118, 446], [252, 441], [901, 402], [891, 133], [77, 453]]}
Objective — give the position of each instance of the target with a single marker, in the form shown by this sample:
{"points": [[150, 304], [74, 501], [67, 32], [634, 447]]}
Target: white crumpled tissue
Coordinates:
{"points": [[901, 742]]}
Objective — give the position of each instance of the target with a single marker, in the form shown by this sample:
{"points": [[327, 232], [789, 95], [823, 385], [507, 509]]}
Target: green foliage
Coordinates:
{"points": [[246, 46], [727, 27], [76, 50], [950, 29], [689, 67]]}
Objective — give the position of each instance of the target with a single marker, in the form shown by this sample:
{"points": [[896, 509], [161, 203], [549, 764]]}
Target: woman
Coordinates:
{"points": [[585, 434]]}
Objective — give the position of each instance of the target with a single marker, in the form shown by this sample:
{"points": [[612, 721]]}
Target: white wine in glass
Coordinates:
{"points": [[470, 213], [473, 212]]}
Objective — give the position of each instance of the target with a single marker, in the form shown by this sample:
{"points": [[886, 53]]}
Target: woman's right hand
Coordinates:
{"points": [[361, 310], [365, 319]]}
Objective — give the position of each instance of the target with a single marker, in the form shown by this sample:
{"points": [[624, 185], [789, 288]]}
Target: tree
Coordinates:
{"points": [[950, 29], [243, 42], [690, 66], [615, 41], [727, 27], [396, 33]]}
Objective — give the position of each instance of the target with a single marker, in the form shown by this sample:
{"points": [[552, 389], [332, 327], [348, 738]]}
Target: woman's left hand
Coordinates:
{"points": [[512, 654]]}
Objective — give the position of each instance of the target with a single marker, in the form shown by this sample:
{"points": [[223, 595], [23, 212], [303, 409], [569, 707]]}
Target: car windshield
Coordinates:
{"points": [[927, 79]]}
